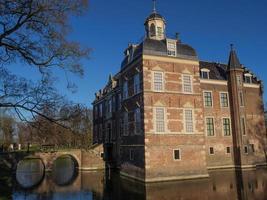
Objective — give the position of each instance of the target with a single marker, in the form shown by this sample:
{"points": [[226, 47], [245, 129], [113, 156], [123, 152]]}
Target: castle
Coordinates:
{"points": [[166, 115]]}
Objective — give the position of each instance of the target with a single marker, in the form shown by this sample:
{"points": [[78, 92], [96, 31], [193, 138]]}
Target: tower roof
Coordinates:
{"points": [[233, 62], [154, 14]]}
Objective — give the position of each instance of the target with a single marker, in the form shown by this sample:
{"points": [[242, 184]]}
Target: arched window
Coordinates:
{"points": [[152, 30]]}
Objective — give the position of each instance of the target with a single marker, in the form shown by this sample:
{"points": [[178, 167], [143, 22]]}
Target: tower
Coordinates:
{"points": [[155, 25], [235, 86]]}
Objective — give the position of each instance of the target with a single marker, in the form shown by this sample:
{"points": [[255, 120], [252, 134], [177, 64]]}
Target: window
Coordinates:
{"points": [[189, 124], [204, 73], [243, 126], [96, 111], [210, 126], [100, 110], [238, 80], [187, 84], [248, 78], [228, 150], [176, 154], [207, 99], [136, 83], [158, 81], [211, 151], [100, 132], [125, 124], [131, 154], [160, 119], [152, 30], [224, 99], [159, 31], [246, 149], [125, 90], [252, 148], [241, 98], [226, 127], [109, 106], [171, 47], [137, 120]]}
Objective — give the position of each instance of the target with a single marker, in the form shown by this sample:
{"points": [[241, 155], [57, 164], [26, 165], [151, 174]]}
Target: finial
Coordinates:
{"points": [[154, 6], [232, 47]]}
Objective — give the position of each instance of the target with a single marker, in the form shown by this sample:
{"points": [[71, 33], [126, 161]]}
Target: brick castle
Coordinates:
{"points": [[166, 115]]}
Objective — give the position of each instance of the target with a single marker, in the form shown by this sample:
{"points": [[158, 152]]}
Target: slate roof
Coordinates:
{"points": [[218, 71], [154, 15], [233, 60], [159, 48]]}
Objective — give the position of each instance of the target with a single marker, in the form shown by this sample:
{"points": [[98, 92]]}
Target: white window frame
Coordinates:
{"points": [[204, 70], [155, 120], [208, 117], [171, 47], [193, 120], [250, 77], [191, 83], [180, 154], [137, 83], [230, 124], [205, 91], [153, 81], [227, 99]]}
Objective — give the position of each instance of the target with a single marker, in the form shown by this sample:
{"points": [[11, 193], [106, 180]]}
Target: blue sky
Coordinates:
{"points": [[207, 25]]}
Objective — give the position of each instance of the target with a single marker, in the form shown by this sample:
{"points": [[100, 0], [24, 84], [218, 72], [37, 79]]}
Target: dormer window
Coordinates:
{"points": [[248, 78], [171, 47], [205, 73]]}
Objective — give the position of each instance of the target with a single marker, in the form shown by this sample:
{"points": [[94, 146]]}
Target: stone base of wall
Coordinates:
{"points": [[92, 160]]}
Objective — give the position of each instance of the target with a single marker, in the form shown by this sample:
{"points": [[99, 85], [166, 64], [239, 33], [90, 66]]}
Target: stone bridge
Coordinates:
{"points": [[85, 159]]}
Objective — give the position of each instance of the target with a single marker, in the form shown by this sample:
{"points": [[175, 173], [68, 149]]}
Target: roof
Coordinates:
{"points": [[153, 16], [218, 71], [233, 62], [159, 48]]}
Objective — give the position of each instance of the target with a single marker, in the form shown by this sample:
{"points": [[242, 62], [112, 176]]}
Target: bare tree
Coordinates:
{"points": [[35, 31]]}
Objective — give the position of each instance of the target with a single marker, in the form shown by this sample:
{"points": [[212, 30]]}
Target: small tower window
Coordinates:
{"points": [[152, 30], [159, 31], [205, 73]]}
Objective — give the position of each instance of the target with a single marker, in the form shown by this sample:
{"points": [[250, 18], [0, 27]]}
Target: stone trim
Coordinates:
{"points": [[211, 81], [170, 59], [164, 179]]}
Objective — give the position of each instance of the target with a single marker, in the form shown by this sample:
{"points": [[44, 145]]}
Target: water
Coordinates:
{"points": [[64, 184]]}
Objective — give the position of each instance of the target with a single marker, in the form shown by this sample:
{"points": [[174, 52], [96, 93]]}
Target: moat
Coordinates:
{"points": [[65, 183]]}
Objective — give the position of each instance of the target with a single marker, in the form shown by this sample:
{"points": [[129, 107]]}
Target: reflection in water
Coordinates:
{"points": [[30, 172], [64, 170], [93, 185]]}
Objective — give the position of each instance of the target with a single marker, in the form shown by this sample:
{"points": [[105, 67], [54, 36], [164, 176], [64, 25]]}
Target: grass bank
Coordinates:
{"points": [[5, 182]]}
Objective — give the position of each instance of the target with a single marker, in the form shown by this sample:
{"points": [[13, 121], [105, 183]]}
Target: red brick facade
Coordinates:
{"points": [[190, 119]]}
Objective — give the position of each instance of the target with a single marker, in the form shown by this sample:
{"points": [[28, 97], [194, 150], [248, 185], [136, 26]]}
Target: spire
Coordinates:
{"points": [[154, 6], [233, 62]]}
